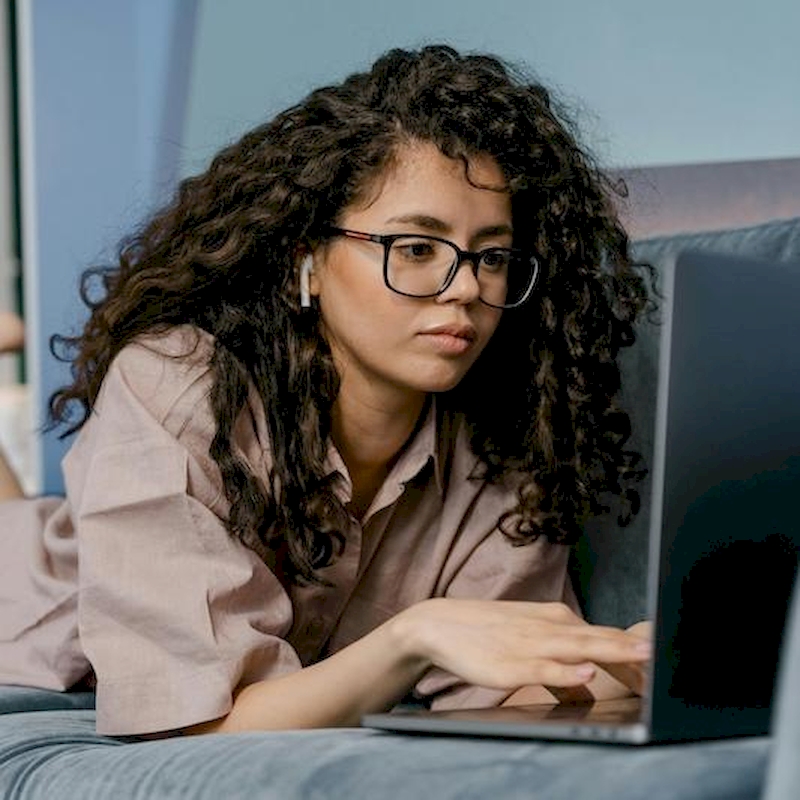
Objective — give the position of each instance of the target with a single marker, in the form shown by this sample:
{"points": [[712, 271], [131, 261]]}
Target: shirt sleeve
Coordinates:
{"points": [[174, 614], [495, 570], [38, 597]]}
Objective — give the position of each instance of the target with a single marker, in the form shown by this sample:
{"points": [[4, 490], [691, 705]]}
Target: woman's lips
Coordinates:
{"points": [[450, 339]]}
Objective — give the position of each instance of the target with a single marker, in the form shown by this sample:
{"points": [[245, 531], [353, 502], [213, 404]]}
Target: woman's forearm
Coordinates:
{"points": [[370, 675]]}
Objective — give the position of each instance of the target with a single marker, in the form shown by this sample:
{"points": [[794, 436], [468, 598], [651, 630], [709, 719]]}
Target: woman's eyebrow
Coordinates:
{"points": [[423, 221], [435, 225], [494, 230]]}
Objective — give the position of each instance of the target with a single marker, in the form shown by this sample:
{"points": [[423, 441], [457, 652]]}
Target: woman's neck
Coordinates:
{"points": [[369, 434]]}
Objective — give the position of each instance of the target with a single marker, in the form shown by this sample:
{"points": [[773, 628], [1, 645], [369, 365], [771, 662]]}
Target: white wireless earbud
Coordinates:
{"points": [[305, 281]]}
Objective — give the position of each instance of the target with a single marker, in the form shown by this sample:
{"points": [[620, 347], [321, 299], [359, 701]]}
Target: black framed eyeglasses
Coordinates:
{"points": [[415, 265]]}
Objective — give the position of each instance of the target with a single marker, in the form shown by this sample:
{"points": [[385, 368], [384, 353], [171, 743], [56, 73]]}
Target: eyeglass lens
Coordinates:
{"points": [[419, 266]]}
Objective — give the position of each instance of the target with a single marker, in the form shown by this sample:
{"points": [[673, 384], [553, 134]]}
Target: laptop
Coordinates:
{"points": [[724, 520]]}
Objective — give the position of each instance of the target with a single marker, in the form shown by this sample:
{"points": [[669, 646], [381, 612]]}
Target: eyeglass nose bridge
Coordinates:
{"points": [[461, 256]]}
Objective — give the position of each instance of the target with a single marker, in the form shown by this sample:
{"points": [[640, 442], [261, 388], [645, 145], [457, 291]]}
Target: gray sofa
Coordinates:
{"points": [[49, 749]]}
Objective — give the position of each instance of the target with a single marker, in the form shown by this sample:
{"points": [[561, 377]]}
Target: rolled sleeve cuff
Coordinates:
{"points": [[174, 699]]}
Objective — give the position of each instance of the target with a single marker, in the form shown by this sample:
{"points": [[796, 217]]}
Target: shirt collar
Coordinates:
{"points": [[416, 454]]}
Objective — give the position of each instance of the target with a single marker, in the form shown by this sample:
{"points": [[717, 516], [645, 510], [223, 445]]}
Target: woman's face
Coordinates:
{"points": [[384, 342]]}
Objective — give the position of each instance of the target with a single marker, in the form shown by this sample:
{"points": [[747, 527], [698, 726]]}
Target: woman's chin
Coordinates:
{"points": [[437, 380]]}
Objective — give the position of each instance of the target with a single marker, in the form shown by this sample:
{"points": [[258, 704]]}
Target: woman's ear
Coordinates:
{"points": [[306, 267]]}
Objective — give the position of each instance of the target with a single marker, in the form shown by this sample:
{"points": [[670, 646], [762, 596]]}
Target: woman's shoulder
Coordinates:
{"points": [[163, 383], [154, 356], [166, 372], [153, 405]]}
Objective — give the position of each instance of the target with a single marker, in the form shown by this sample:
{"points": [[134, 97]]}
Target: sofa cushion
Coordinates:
{"points": [[25, 698], [57, 754]]}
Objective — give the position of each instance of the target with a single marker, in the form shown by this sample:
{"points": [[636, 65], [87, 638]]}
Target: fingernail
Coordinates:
{"points": [[586, 673], [643, 648]]}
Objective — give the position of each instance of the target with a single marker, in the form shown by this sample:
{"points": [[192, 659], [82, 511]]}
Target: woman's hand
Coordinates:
{"points": [[506, 644], [633, 675], [611, 682]]}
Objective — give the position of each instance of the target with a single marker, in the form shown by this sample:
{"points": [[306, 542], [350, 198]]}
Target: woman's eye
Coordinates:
{"points": [[495, 260], [416, 251]]}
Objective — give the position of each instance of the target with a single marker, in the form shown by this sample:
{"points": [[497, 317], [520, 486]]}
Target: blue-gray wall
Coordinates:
{"points": [[107, 84], [658, 82]]}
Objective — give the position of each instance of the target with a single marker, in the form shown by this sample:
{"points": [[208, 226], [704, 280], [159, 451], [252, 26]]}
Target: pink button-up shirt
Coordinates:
{"points": [[133, 576]]}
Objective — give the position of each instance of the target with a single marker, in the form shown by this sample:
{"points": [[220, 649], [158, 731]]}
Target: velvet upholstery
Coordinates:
{"points": [[57, 754]]}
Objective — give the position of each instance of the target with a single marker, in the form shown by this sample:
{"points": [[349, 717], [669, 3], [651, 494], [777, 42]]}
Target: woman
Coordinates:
{"points": [[355, 384]]}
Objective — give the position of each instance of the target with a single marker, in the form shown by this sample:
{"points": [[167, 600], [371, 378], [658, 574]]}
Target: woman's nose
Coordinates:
{"points": [[464, 288]]}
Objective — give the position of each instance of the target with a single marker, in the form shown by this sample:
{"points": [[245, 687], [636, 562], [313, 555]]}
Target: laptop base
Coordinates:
{"points": [[616, 721]]}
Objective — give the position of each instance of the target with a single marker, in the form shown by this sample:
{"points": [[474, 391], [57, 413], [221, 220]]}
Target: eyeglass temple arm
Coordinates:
{"points": [[366, 237]]}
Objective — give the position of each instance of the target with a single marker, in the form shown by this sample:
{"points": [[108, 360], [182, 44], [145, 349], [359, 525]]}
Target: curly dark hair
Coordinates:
{"points": [[224, 257]]}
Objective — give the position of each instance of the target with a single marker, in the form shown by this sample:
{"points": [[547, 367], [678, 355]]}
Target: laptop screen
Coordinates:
{"points": [[729, 441]]}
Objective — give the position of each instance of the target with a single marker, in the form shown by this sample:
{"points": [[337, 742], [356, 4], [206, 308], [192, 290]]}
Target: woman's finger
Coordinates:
{"points": [[634, 676], [574, 647], [554, 673]]}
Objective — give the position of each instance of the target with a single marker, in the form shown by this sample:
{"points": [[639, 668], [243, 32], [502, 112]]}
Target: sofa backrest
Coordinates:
{"points": [[610, 563]]}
